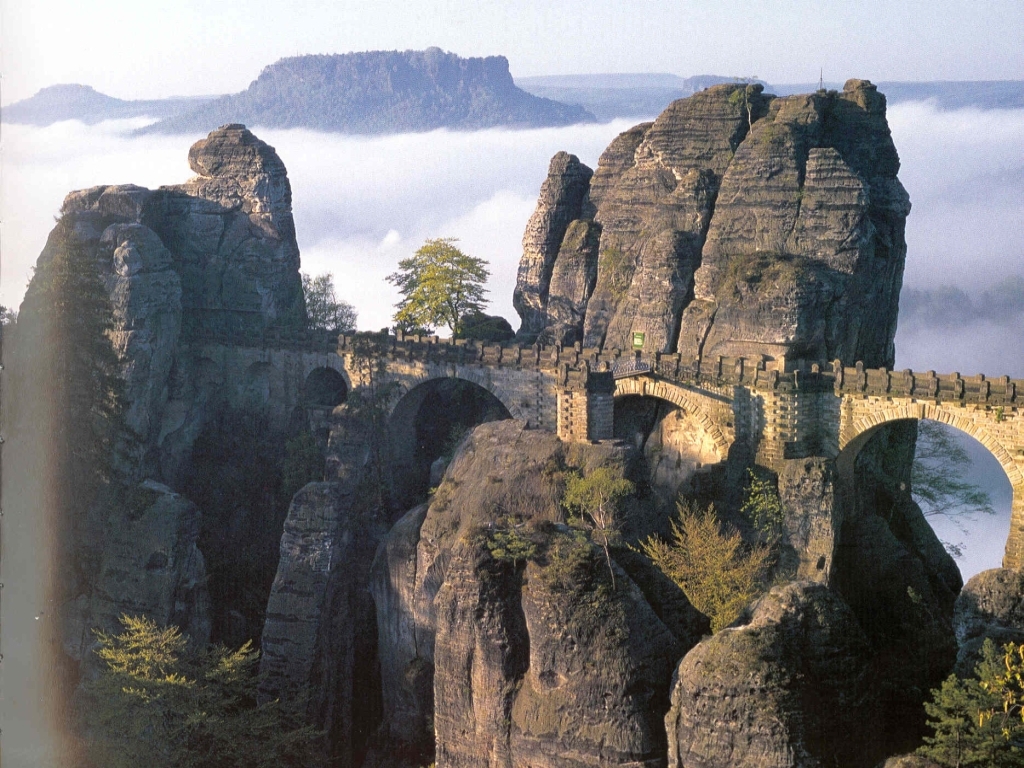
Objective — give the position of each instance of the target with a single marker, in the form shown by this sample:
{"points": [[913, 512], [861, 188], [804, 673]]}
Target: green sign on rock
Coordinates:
{"points": [[638, 340]]}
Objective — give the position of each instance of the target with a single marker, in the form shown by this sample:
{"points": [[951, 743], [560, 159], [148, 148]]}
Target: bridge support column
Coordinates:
{"points": [[1014, 556], [586, 407]]}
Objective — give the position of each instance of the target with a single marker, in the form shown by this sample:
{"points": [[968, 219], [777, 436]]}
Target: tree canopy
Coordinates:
{"points": [[593, 502], [710, 563], [440, 285], [324, 309], [159, 703]]}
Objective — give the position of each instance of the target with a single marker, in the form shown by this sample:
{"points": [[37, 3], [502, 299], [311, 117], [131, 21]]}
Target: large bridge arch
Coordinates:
{"points": [[425, 418], [863, 419]]}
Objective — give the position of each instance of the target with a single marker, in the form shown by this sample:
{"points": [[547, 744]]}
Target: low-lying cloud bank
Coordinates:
{"points": [[361, 204]]}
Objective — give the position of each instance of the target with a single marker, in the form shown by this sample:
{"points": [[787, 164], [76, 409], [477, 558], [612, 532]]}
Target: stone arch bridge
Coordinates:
{"points": [[776, 409]]}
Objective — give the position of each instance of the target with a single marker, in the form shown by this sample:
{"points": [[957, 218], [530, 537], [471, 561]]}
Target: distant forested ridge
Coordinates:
{"points": [[82, 102], [380, 92]]}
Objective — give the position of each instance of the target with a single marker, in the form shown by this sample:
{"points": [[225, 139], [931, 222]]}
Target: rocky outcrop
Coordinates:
{"points": [[893, 572], [319, 643], [792, 687], [560, 203], [736, 224], [808, 492], [991, 605], [374, 92], [180, 265], [151, 566], [538, 661]]}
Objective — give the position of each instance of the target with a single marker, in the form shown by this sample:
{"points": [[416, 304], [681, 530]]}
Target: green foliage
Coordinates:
{"points": [[568, 557], [159, 704], [971, 727], [593, 503], [763, 507], [303, 463], [323, 308], [719, 575], [487, 328], [509, 540], [440, 285]]}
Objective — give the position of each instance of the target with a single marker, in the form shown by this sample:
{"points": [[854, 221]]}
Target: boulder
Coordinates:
{"points": [[791, 687]]}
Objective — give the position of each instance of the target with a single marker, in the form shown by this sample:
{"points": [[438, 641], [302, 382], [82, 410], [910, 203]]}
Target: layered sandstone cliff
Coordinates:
{"points": [[737, 223]]}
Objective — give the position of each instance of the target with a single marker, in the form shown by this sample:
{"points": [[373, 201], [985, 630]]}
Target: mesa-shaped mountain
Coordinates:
{"points": [[380, 92], [737, 223]]}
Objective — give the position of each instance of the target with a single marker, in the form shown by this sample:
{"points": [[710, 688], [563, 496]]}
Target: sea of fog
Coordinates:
{"points": [[363, 203]]}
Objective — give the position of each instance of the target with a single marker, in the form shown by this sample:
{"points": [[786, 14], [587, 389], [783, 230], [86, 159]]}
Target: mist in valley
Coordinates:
{"points": [[362, 203]]}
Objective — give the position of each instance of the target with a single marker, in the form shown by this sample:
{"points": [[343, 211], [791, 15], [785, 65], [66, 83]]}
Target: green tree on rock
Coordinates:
{"points": [[593, 502], [976, 721], [718, 574], [440, 285]]}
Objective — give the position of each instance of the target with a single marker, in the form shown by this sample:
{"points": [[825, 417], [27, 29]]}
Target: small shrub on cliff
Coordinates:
{"points": [[593, 503], [509, 541], [719, 575], [158, 704], [763, 507], [977, 720]]}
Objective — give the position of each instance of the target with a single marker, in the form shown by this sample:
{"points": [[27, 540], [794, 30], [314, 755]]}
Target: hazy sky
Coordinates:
{"points": [[134, 49]]}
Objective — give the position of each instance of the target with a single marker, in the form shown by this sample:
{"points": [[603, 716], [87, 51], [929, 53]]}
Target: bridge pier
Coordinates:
{"points": [[1014, 555]]}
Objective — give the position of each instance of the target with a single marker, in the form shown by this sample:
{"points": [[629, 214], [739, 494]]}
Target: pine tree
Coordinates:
{"points": [[161, 704], [967, 717], [710, 564]]}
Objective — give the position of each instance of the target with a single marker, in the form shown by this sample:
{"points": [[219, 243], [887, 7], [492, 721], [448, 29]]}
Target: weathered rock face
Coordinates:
{"points": [[893, 572], [320, 638], [735, 224], [215, 254], [561, 203], [991, 605], [790, 688], [540, 662], [151, 566]]}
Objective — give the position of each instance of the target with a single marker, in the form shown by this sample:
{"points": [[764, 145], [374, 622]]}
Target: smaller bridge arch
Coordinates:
{"points": [[710, 415]]}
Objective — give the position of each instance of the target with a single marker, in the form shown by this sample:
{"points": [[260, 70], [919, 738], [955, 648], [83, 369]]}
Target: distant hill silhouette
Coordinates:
{"points": [[82, 102], [380, 92], [621, 95]]}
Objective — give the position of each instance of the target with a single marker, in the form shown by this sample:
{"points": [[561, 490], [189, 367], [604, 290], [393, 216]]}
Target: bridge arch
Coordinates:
{"points": [[407, 382], [857, 429], [689, 402], [427, 419]]}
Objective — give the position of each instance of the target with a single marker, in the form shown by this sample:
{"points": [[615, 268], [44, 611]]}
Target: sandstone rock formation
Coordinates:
{"points": [[991, 605], [736, 224], [791, 687], [181, 265], [151, 566], [538, 663]]}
